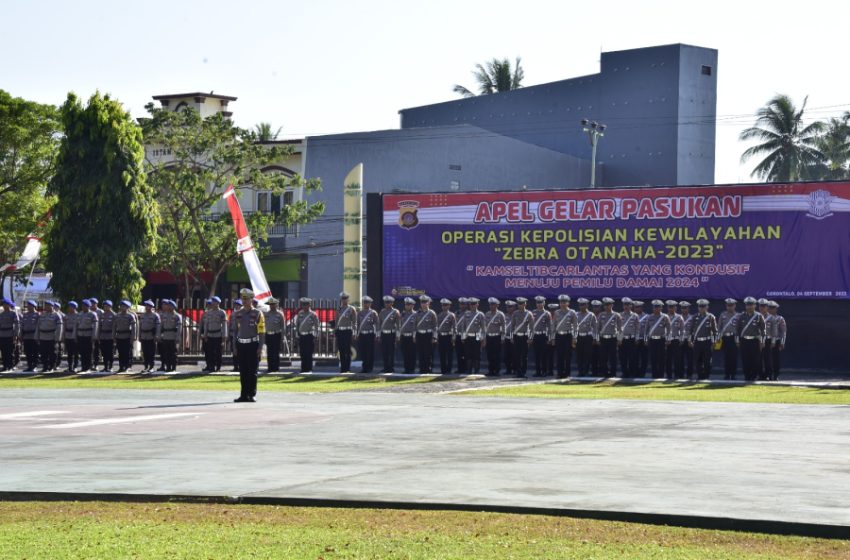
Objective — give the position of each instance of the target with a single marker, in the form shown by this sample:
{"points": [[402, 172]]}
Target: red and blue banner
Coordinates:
{"points": [[774, 241]]}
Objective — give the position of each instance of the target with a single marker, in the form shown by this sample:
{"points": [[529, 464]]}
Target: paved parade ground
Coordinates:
{"points": [[770, 462]]}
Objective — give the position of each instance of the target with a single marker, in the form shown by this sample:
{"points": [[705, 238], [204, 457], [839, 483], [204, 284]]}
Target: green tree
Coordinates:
{"points": [[105, 215], [264, 132], [789, 147], [834, 144], [495, 76], [202, 157], [29, 141]]}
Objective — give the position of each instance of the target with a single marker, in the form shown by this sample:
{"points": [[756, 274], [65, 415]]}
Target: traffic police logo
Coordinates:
{"points": [[819, 205], [407, 217]]}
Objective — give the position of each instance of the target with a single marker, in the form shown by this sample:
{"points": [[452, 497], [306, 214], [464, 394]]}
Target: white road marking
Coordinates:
{"points": [[14, 415], [120, 420]]}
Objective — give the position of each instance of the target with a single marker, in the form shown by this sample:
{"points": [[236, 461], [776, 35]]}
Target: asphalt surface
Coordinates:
{"points": [[769, 462]]}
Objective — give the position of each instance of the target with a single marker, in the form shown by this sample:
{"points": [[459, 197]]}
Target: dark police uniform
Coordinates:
{"points": [[171, 321], [86, 330], [367, 328], [630, 325], [472, 335], [446, 331], [346, 325], [249, 331], [564, 336], [29, 326], [426, 335], [586, 329], [105, 338], [657, 334], [307, 329], [150, 325], [520, 334], [494, 329], [49, 333], [609, 336], [750, 337], [728, 326], [125, 331], [674, 344], [214, 330], [702, 335], [390, 327], [408, 340], [275, 326]]}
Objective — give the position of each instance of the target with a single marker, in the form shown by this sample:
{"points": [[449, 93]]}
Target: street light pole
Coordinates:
{"points": [[594, 131]]}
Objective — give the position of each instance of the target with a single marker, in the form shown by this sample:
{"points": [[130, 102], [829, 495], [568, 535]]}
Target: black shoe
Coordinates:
{"points": [[250, 399], [161, 369], [242, 399]]}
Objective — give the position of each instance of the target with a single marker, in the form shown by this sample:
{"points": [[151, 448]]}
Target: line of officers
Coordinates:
{"points": [[669, 341]]}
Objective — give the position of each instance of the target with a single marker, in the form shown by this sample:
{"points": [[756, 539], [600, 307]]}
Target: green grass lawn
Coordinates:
{"points": [[198, 382], [96, 530], [671, 392]]}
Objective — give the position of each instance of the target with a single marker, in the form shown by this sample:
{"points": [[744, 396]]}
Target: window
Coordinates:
{"points": [[705, 70], [267, 202]]}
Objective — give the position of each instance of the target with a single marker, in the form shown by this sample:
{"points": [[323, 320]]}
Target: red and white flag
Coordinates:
{"points": [[29, 255], [245, 247]]}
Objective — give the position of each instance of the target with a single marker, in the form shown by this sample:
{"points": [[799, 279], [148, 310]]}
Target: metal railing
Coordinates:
{"points": [[278, 228]]}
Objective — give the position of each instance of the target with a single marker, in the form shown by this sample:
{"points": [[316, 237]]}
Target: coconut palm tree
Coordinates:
{"points": [[789, 146], [264, 132], [495, 76], [834, 144]]}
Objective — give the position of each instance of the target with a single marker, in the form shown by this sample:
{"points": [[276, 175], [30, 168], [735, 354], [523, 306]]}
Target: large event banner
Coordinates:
{"points": [[775, 241]]}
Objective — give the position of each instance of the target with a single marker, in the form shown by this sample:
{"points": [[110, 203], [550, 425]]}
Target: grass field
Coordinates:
{"points": [[72, 530], [672, 392], [199, 382]]}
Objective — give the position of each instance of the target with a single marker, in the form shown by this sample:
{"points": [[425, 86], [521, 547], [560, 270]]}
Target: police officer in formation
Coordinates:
{"points": [[249, 332], [629, 328], [97, 353], [426, 333], [494, 335], [750, 335], [460, 350], [104, 338], [125, 331], [86, 329], [10, 332], [674, 342], [564, 333], [777, 334], [641, 347], [150, 327], [521, 321], [509, 352], [586, 329], [367, 327], [610, 327], [307, 329], [727, 338], [657, 328], [213, 331], [49, 334], [702, 333], [171, 324], [70, 336], [472, 327], [541, 324], [408, 332], [446, 331], [687, 351], [275, 326], [346, 324], [29, 328], [389, 320]]}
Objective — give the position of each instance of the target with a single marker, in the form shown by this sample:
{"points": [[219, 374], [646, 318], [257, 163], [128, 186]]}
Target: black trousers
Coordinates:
{"points": [[73, 355], [508, 356], [366, 350], [408, 353], [249, 363], [148, 353], [388, 352], [674, 357], [596, 359], [343, 348], [702, 358], [214, 349], [628, 358], [750, 358], [31, 352], [584, 349], [549, 358], [107, 352], [657, 356], [460, 353], [540, 342], [563, 353], [306, 346], [689, 359], [494, 355], [48, 354], [272, 352], [520, 355], [445, 350], [642, 358], [125, 352], [84, 347], [96, 353], [730, 357], [472, 353], [775, 361], [7, 351], [425, 351], [766, 371], [608, 357], [168, 354]]}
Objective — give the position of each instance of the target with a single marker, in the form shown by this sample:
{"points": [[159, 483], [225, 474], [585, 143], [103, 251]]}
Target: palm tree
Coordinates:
{"points": [[790, 148], [834, 144], [264, 133], [494, 77]]}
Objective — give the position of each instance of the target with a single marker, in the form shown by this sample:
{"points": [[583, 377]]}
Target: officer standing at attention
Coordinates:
{"points": [[586, 328], [86, 331], [96, 355], [628, 338], [249, 335], [508, 343], [541, 327], [610, 327], [780, 332], [549, 361], [29, 326], [473, 335], [49, 333], [125, 331], [408, 332], [641, 349], [390, 327], [460, 350], [367, 326], [494, 335], [521, 324], [564, 322], [105, 338], [657, 335], [70, 336], [674, 340], [426, 333], [214, 333], [765, 365], [686, 350], [275, 324], [750, 338], [307, 327], [346, 323], [728, 327], [150, 326], [596, 351], [446, 329], [701, 337], [10, 331], [169, 334]]}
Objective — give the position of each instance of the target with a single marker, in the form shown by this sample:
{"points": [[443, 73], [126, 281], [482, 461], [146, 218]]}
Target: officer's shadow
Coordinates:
{"points": [[186, 405]]}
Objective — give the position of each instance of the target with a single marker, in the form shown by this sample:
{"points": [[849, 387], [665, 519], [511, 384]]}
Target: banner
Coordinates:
{"points": [[245, 247], [769, 240]]}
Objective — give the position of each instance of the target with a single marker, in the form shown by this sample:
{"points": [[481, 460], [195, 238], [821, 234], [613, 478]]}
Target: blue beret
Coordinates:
{"points": [[216, 299], [6, 300], [95, 300], [73, 304], [107, 302], [126, 302], [237, 302], [209, 300], [32, 302], [86, 302], [148, 302]]}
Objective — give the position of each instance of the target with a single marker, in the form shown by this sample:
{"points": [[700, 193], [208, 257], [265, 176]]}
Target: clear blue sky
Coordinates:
{"points": [[326, 66]]}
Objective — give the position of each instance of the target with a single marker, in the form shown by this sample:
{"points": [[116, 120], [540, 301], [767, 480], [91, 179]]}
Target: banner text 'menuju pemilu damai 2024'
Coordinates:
{"points": [[771, 240]]}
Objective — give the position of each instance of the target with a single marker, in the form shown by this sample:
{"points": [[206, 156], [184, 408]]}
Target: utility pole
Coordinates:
{"points": [[594, 131]]}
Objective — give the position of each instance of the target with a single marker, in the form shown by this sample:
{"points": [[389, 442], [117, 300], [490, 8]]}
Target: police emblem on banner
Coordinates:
{"points": [[407, 217], [819, 205]]}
